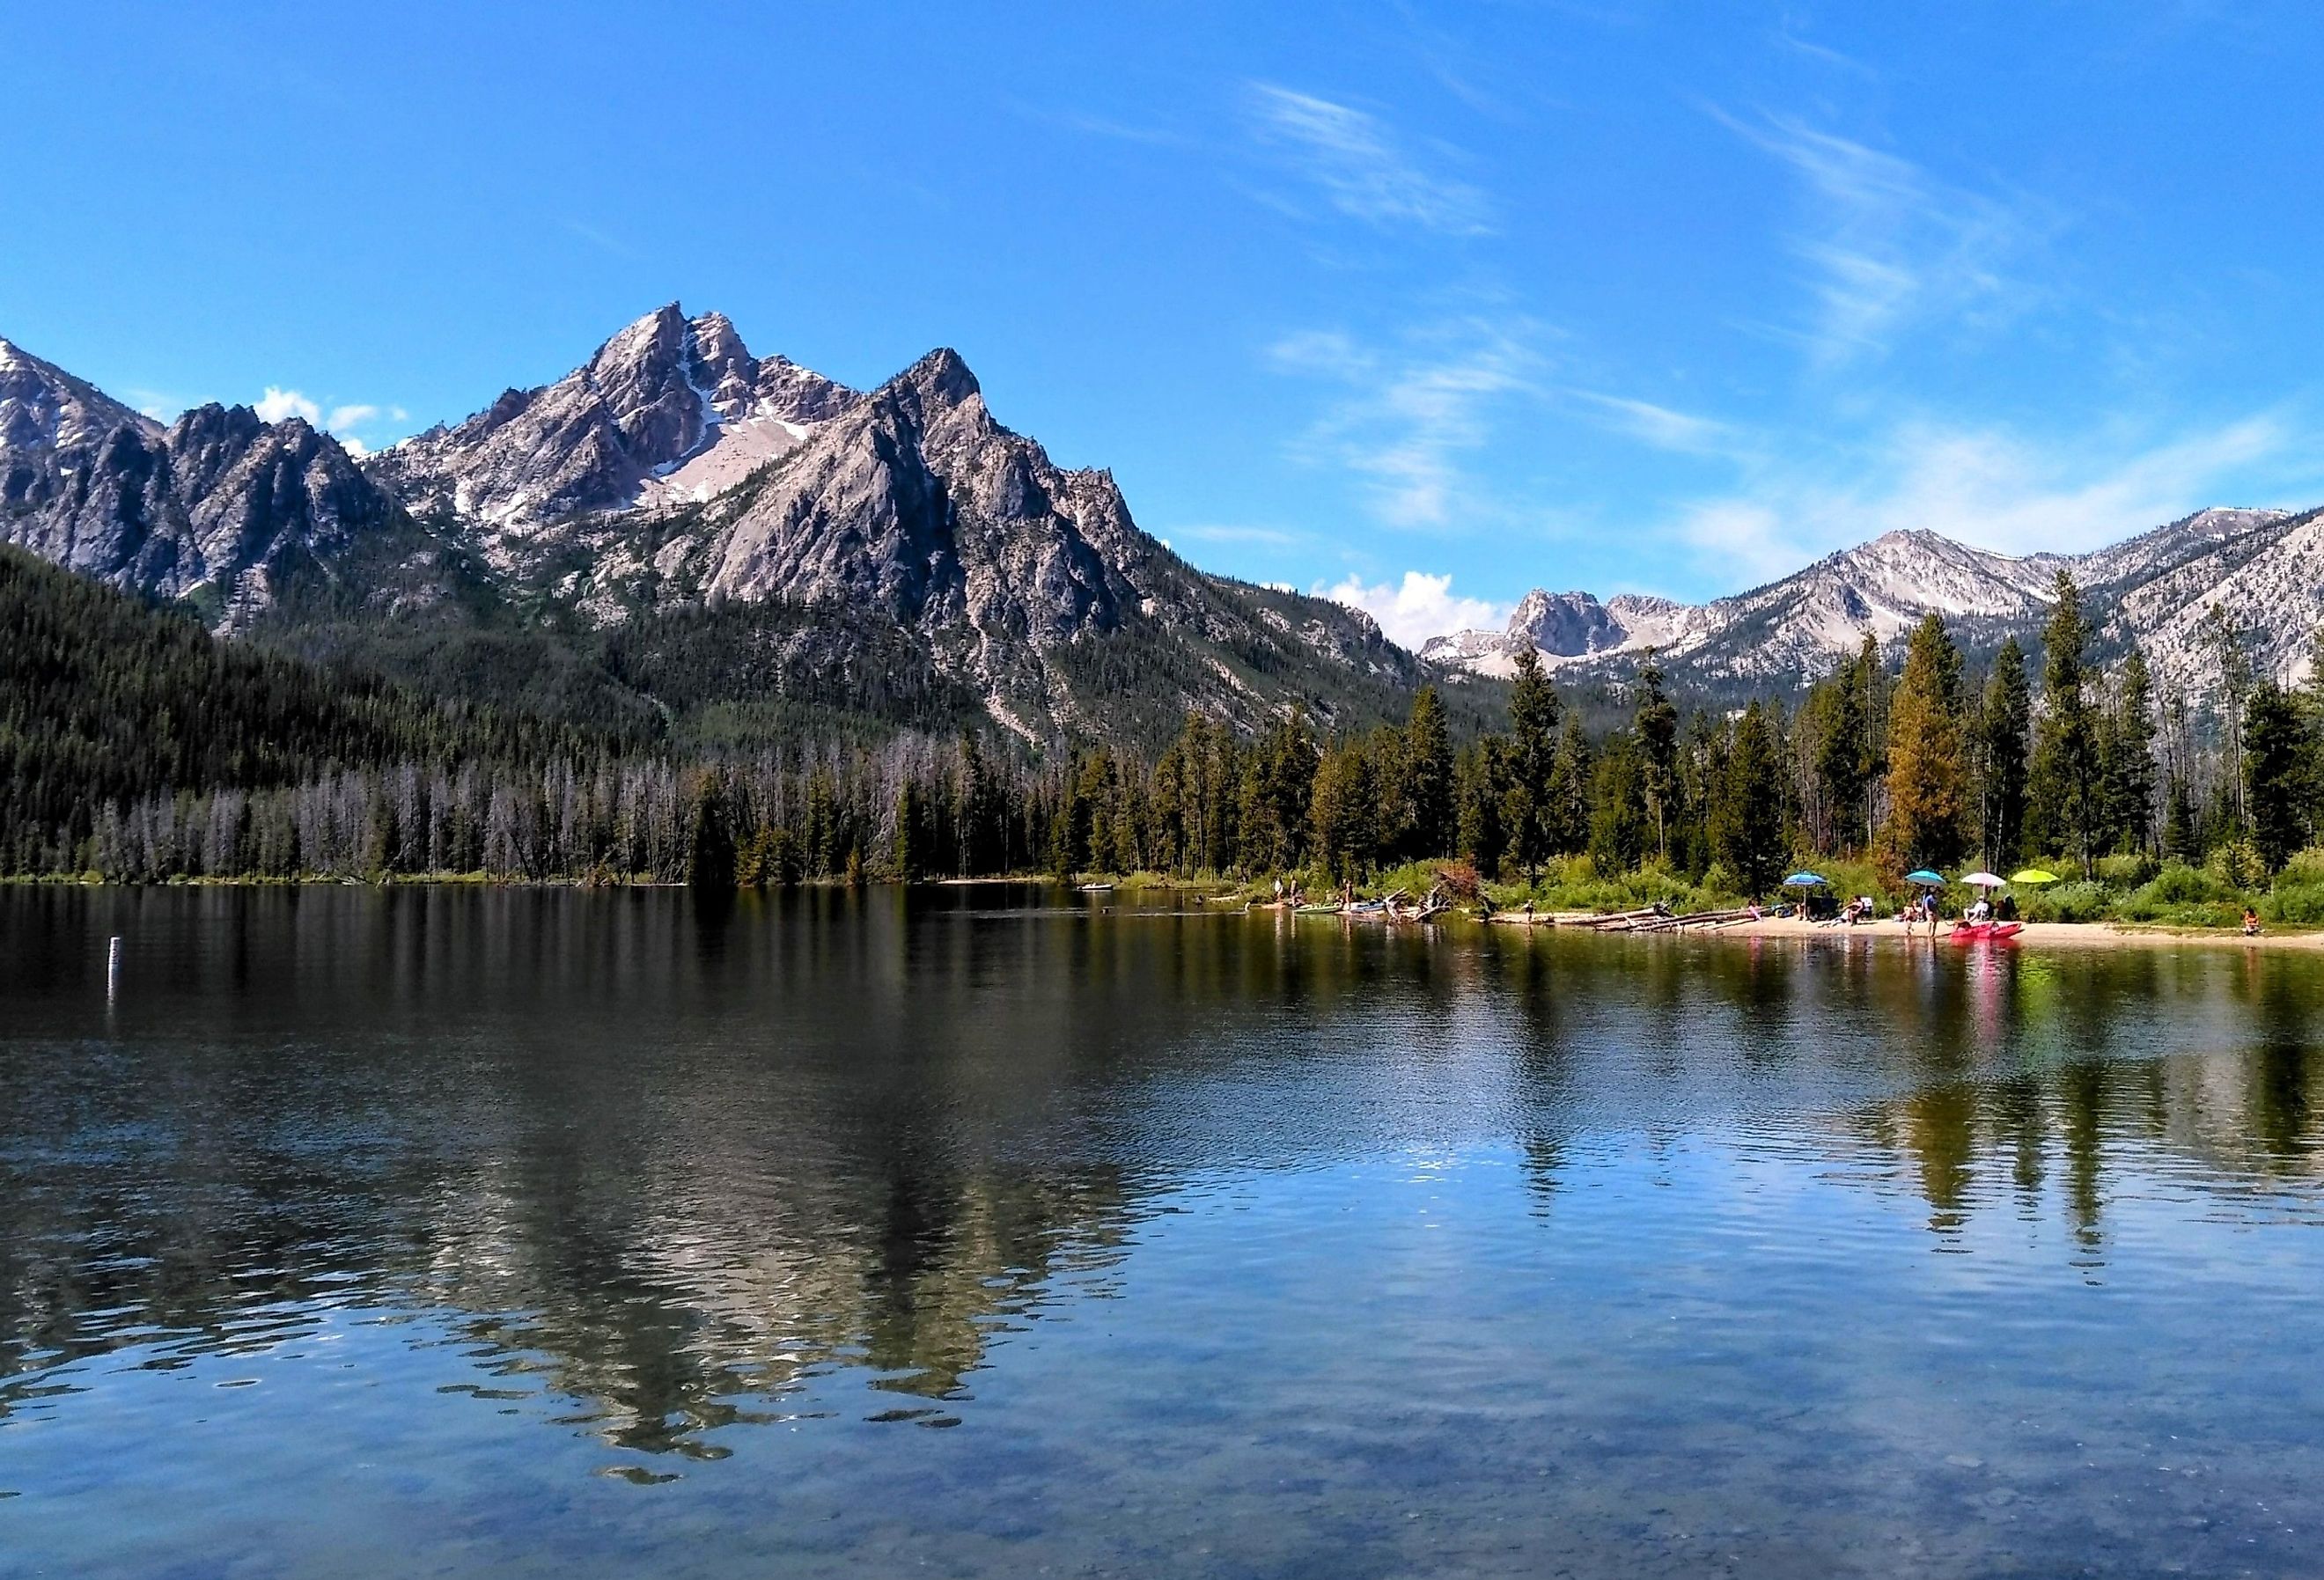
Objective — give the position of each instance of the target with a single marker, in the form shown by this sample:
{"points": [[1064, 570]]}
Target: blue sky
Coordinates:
{"points": [[1429, 305]]}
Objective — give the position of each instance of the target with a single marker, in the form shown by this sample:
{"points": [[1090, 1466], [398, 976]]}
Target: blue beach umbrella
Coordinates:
{"points": [[1803, 880], [1934, 879]]}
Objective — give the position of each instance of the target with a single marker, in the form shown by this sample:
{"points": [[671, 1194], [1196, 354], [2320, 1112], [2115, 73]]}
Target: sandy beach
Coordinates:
{"points": [[2038, 935]]}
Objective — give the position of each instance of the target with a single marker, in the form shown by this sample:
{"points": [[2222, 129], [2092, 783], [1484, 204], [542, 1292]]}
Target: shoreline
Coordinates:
{"points": [[2077, 935]]}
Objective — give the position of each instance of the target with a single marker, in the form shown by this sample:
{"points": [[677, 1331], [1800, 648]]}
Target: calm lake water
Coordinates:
{"points": [[988, 1232]]}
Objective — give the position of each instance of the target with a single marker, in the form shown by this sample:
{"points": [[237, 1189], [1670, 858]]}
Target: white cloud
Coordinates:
{"points": [[1888, 245], [1996, 490], [1416, 608], [1355, 160], [1410, 414], [279, 405]]}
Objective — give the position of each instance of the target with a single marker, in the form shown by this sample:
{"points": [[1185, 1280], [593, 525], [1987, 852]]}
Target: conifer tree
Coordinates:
{"points": [[2062, 792], [1428, 776], [710, 860], [1747, 827], [1567, 815], [1656, 731], [1619, 829], [1534, 710], [2005, 717], [1928, 793], [2126, 757], [2277, 752], [1342, 814]]}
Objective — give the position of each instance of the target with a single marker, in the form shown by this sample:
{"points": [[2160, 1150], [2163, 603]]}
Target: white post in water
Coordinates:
{"points": [[113, 969]]}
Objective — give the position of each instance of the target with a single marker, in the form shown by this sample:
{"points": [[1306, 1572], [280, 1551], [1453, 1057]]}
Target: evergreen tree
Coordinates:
{"points": [[1747, 823], [1343, 806], [1428, 776], [1480, 785], [1839, 717], [1655, 727], [2277, 754], [1532, 757], [2064, 802], [710, 859], [1928, 791], [2005, 719], [2126, 757], [1618, 828], [1566, 817], [910, 846]]}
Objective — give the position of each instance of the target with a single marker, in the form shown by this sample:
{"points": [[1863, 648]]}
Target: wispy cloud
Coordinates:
{"points": [[279, 405], [1267, 537], [1663, 427], [1411, 412], [1997, 490], [1360, 167], [1888, 246], [1416, 608]]}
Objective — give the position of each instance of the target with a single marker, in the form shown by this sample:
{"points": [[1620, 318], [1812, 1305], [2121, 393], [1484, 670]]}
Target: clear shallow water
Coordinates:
{"points": [[976, 1231]]}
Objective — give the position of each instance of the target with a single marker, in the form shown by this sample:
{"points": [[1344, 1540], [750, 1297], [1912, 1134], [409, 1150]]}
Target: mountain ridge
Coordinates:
{"points": [[671, 470], [2266, 566]]}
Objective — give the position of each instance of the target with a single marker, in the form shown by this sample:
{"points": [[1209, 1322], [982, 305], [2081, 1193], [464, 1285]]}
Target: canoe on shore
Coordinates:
{"points": [[1985, 932]]}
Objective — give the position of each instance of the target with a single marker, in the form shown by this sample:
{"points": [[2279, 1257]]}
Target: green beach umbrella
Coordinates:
{"points": [[2034, 877]]}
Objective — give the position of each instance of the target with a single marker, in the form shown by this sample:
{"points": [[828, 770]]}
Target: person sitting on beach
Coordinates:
{"points": [[1980, 912], [2251, 922]]}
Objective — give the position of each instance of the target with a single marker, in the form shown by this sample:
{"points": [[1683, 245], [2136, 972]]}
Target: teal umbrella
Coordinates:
{"points": [[1934, 880], [1803, 880]]}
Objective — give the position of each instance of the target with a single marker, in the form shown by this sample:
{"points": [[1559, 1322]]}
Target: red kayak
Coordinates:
{"points": [[1985, 932]]}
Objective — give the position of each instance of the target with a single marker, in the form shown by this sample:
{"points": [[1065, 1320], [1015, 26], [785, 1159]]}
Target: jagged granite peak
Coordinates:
{"points": [[1556, 626], [44, 408], [669, 409], [918, 502]]}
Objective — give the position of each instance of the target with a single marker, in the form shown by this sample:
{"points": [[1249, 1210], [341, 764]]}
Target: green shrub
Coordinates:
{"points": [[2079, 901], [2236, 864], [2305, 869], [2179, 884], [2300, 904], [2126, 872]]}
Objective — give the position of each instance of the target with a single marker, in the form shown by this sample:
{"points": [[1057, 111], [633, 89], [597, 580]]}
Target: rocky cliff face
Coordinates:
{"points": [[216, 507]]}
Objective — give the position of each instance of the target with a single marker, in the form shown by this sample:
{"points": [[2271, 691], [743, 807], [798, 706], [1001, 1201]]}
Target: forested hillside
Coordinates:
{"points": [[136, 746]]}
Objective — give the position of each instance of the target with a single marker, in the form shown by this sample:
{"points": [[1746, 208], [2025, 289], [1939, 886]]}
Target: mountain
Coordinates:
{"points": [[218, 508], [681, 530], [671, 410], [2267, 567]]}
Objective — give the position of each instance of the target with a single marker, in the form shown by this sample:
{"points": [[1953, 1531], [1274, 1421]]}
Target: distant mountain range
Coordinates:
{"points": [[2265, 567], [680, 534], [851, 547]]}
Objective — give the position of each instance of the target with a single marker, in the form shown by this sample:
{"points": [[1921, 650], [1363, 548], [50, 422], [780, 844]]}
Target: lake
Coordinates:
{"points": [[1003, 1231]]}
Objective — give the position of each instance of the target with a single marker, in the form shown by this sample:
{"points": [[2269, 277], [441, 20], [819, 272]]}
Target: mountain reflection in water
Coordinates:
{"points": [[659, 1177]]}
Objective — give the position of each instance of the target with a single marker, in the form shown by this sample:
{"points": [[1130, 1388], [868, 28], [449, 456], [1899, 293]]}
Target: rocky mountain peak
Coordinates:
{"points": [[44, 407], [669, 409]]}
